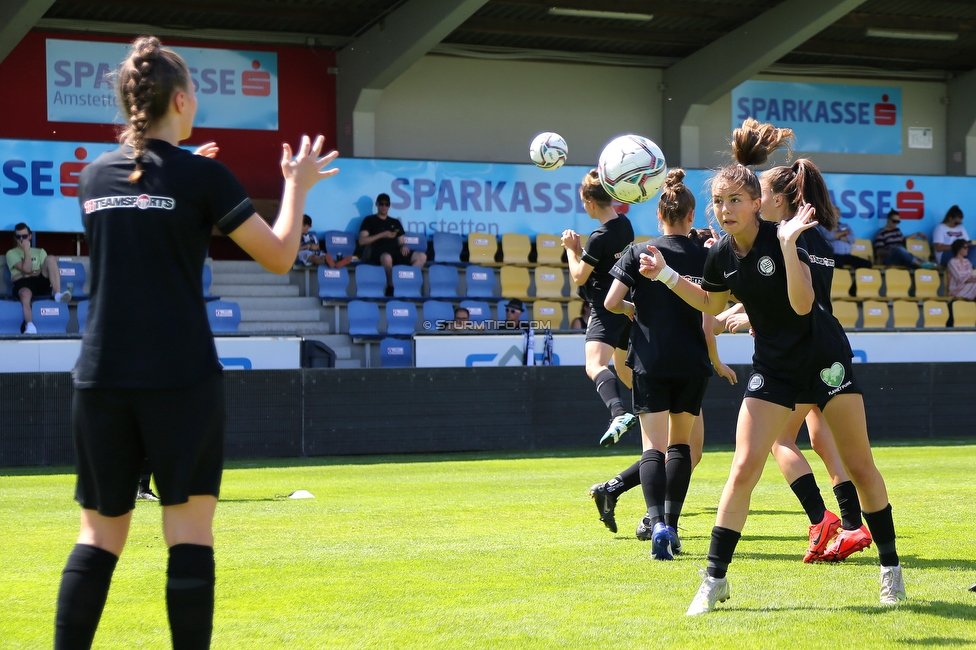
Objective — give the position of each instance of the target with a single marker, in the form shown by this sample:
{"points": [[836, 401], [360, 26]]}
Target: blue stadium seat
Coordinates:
{"points": [[443, 281], [50, 317], [9, 291], [401, 318], [207, 282], [82, 316], [11, 316], [415, 241], [370, 281], [481, 281], [224, 316], [73, 278], [447, 248], [333, 283], [478, 311], [437, 310], [396, 353], [339, 243], [407, 281], [364, 318]]}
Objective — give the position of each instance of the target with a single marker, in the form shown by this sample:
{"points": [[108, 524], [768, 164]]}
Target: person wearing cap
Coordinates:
{"points": [[513, 315], [381, 237]]}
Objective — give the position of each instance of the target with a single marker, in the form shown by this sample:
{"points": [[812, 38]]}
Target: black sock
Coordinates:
{"points": [[721, 550], [606, 386], [806, 490], [882, 529], [678, 469], [850, 506], [190, 595], [627, 479], [81, 598], [144, 482], [654, 481]]}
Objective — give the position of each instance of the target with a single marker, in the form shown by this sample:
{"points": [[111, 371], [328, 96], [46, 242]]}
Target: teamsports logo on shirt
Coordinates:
{"points": [[766, 265], [143, 202]]}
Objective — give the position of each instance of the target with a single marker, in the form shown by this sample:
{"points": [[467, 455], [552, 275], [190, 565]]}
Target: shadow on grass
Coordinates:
{"points": [[929, 608]]}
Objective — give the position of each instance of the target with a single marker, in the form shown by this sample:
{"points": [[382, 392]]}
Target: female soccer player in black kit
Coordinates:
{"points": [[671, 361], [148, 382], [607, 334], [800, 347]]}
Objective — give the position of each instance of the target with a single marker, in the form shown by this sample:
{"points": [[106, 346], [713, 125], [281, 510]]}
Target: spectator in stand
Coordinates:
{"points": [[959, 270], [840, 239], [581, 321], [462, 318], [309, 252], [946, 233], [889, 246], [513, 315], [32, 273], [381, 237]]}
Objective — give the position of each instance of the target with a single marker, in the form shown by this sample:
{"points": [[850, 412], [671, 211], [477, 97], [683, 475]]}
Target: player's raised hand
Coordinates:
{"points": [[570, 240], [652, 263], [306, 168], [723, 370], [802, 220], [207, 150]]}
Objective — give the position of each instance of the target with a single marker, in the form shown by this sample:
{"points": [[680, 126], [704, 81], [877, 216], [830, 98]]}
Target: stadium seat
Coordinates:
{"points": [[207, 282], [396, 353], [73, 278], [548, 249], [370, 281], [926, 283], [82, 315], [437, 310], [863, 248], [841, 285], [415, 241], [515, 282], [875, 314], [333, 283], [50, 317], [224, 316], [919, 248], [898, 283], [478, 311], [548, 282], [482, 248], [906, 314], [642, 239], [963, 313], [846, 312], [407, 281], [8, 291], [573, 309], [339, 243], [935, 313], [480, 281], [443, 281], [868, 283], [583, 240], [364, 319], [401, 318], [547, 311], [516, 248], [11, 316], [447, 247]]}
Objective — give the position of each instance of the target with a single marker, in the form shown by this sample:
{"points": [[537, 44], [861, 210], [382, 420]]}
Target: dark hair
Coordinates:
{"points": [[306, 220], [676, 199], [383, 197], [593, 190], [457, 310], [22, 226], [953, 212], [146, 81], [893, 213], [802, 182], [752, 143], [958, 245]]}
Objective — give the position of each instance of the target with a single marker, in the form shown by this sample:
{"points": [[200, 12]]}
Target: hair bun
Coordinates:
{"points": [[675, 177]]}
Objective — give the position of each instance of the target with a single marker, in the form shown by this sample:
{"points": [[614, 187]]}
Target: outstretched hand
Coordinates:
{"points": [[802, 220], [207, 150], [651, 265], [306, 168]]}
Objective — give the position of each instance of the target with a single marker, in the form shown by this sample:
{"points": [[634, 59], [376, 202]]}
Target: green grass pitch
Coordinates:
{"points": [[505, 551]]}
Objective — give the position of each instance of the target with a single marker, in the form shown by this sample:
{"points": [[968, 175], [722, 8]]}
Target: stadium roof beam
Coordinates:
{"points": [[698, 80], [380, 55], [17, 17]]}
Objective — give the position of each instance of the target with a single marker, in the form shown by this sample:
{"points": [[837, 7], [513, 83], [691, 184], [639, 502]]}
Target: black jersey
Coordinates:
{"points": [[605, 246], [821, 265], [783, 337], [147, 321], [667, 338]]}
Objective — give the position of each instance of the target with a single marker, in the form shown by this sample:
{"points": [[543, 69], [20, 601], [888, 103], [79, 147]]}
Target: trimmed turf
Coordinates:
{"points": [[488, 551]]}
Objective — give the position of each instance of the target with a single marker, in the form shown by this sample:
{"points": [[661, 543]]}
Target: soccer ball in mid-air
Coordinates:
{"points": [[548, 150], [632, 169]]}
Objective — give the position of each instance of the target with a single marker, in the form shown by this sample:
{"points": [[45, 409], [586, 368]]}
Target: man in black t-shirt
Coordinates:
{"points": [[381, 237]]}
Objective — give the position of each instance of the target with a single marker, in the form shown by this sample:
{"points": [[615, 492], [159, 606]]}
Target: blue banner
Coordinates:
{"points": [[236, 89], [832, 118]]}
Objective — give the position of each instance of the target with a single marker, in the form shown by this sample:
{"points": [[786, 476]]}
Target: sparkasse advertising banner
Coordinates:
{"points": [[833, 118], [236, 89]]}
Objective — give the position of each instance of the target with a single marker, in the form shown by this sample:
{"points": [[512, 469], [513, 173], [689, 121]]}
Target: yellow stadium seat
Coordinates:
{"points": [[963, 313], [546, 311], [868, 283], [573, 309], [640, 239], [482, 248], [515, 282], [919, 248], [548, 249], [875, 314], [935, 313], [897, 283], [840, 286], [846, 313], [863, 248], [515, 248], [583, 240], [906, 314], [926, 283], [549, 282]]}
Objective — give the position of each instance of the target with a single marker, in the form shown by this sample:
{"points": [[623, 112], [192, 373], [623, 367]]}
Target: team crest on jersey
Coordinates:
{"points": [[766, 265], [756, 381]]}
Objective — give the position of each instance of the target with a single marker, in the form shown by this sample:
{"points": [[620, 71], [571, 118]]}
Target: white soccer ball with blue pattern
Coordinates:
{"points": [[548, 150], [632, 169]]}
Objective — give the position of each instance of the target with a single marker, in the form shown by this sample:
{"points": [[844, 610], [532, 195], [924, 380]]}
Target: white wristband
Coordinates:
{"points": [[668, 276]]}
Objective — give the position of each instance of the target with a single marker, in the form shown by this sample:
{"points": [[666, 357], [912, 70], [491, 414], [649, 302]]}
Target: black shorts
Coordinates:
{"points": [[372, 256], [816, 386], [608, 327], [38, 285], [180, 431], [673, 394]]}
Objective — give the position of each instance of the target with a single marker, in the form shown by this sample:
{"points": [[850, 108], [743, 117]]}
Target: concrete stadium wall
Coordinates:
{"points": [[294, 413]]}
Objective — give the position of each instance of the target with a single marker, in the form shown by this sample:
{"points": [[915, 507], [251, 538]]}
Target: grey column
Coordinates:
{"points": [[17, 17]]}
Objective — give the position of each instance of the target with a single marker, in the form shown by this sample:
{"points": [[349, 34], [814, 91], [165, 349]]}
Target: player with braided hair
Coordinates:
{"points": [[148, 382]]}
